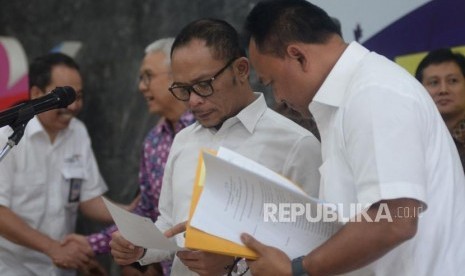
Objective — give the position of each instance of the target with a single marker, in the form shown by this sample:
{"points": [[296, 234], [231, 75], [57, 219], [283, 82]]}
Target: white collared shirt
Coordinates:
{"points": [[383, 138], [256, 132], [43, 184]]}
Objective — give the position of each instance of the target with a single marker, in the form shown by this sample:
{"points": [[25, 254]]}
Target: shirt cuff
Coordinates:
{"points": [[155, 256]]}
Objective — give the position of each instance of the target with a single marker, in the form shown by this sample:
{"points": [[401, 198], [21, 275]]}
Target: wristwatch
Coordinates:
{"points": [[298, 268]]}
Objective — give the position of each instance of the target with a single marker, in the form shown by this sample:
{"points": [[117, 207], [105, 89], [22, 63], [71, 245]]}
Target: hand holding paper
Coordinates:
{"points": [[267, 255], [139, 230], [235, 191], [123, 251]]}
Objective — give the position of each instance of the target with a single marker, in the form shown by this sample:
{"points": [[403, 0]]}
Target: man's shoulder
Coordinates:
{"points": [[284, 124]]}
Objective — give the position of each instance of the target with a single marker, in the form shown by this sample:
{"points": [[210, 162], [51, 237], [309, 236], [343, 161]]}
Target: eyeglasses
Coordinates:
{"points": [[202, 88], [147, 77]]}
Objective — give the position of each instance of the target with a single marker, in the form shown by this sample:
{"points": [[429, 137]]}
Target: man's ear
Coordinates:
{"points": [[36, 92], [296, 52], [242, 68]]}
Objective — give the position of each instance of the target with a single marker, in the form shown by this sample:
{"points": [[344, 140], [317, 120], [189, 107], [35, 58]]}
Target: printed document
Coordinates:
{"points": [[238, 196]]}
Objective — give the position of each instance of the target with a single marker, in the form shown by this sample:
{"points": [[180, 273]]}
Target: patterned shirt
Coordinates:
{"points": [[458, 133], [155, 152]]}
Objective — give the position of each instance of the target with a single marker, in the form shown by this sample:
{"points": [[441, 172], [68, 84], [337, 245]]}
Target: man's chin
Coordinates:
{"points": [[65, 120], [210, 124]]}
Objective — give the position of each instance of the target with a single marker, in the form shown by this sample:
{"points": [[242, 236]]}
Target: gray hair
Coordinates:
{"points": [[161, 45]]}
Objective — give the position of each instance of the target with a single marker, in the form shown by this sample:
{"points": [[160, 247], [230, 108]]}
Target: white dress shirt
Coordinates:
{"points": [[383, 138], [35, 183], [256, 132]]}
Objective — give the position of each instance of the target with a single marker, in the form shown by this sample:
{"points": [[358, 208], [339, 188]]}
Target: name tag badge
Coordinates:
{"points": [[74, 190]]}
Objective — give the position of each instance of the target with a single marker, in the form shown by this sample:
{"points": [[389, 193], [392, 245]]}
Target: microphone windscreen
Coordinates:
{"points": [[66, 94]]}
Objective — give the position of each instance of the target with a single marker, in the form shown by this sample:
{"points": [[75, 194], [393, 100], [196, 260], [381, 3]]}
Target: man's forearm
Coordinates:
{"points": [[14, 229], [359, 243], [95, 209]]}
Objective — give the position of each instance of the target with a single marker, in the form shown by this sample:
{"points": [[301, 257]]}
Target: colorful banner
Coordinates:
{"points": [[403, 31], [13, 73], [14, 86]]}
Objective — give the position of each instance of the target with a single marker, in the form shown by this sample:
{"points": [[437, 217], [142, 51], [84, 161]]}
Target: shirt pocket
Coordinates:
{"points": [[29, 197]]}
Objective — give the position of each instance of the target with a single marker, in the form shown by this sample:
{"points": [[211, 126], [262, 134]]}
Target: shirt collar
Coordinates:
{"points": [[332, 90], [34, 127], [248, 116]]}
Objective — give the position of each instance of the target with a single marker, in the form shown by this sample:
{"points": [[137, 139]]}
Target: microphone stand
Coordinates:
{"points": [[24, 115], [13, 140]]}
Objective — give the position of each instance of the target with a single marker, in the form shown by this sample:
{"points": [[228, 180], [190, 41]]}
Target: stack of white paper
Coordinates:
{"points": [[232, 202]]}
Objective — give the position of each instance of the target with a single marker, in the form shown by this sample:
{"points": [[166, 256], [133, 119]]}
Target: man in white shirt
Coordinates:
{"points": [[210, 73], [45, 179], [384, 146]]}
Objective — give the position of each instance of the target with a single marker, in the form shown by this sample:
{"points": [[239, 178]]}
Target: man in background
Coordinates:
{"points": [[442, 73], [154, 79], [46, 178], [384, 147]]}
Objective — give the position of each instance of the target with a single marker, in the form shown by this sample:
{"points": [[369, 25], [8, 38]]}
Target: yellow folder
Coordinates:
{"points": [[200, 240]]}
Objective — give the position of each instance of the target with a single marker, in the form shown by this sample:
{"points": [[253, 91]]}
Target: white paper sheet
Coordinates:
{"points": [[252, 166], [233, 198], [140, 231]]}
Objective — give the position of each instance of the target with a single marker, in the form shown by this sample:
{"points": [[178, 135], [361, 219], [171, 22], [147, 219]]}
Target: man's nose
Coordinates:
{"points": [[195, 100], [443, 88]]}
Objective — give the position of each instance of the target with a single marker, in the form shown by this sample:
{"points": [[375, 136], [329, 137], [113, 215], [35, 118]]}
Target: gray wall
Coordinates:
{"points": [[114, 34]]}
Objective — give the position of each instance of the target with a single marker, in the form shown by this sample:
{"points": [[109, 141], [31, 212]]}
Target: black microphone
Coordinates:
{"points": [[60, 97]]}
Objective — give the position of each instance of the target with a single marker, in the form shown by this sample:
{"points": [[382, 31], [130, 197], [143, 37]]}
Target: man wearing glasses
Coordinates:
{"points": [[154, 78], [210, 73]]}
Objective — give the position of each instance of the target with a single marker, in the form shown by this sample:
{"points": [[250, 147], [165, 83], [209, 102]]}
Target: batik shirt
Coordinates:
{"points": [[155, 152]]}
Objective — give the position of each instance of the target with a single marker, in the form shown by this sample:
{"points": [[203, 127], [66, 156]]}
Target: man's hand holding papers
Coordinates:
{"points": [[135, 234], [234, 199]]}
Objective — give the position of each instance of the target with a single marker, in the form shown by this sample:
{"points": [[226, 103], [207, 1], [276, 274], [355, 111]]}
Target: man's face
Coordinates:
{"points": [[58, 119], [285, 78], [194, 62], [155, 78], [446, 85]]}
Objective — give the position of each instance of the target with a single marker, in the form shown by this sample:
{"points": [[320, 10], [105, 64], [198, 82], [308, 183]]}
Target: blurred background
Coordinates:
{"points": [[107, 38]]}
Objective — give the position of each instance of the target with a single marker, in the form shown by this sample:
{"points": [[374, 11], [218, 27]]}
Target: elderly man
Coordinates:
{"points": [[210, 73], [154, 79]]}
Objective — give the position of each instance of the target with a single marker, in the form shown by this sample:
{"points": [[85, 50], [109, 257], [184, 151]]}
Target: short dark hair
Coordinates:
{"points": [[439, 56], [274, 24], [218, 35], [41, 67]]}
